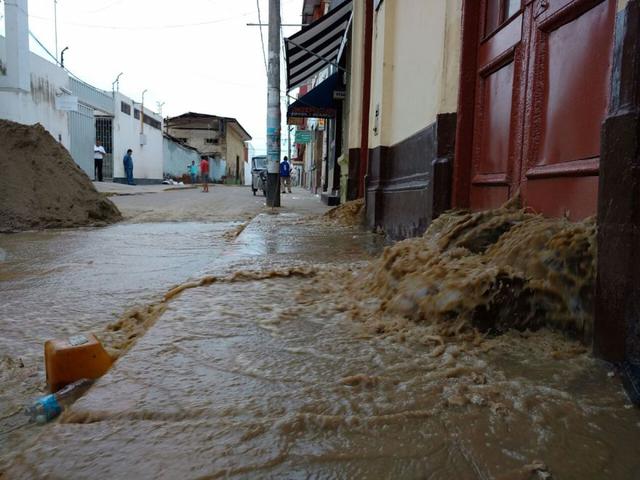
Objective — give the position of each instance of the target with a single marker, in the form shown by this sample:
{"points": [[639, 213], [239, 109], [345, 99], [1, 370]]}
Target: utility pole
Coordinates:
{"points": [[273, 106], [55, 25]]}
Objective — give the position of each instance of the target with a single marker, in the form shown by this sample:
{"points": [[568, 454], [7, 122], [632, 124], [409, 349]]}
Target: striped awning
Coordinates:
{"points": [[317, 45]]}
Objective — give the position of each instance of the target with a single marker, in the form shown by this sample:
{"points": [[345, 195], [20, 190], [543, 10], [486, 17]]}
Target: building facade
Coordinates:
{"points": [[469, 103], [137, 128], [32, 90], [177, 158], [221, 138]]}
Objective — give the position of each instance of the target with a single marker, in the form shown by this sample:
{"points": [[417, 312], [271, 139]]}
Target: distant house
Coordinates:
{"points": [[222, 138]]}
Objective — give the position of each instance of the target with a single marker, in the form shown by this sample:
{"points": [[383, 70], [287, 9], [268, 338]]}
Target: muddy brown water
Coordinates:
{"points": [[58, 283], [277, 378]]}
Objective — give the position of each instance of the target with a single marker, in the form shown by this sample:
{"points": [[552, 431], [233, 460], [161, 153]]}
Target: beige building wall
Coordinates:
{"points": [[235, 147], [355, 83], [416, 56]]}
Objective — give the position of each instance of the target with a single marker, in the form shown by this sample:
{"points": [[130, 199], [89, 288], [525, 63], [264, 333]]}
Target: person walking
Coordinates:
{"points": [[98, 157], [285, 175], [128, 167], [193, 171], [204, 174]]}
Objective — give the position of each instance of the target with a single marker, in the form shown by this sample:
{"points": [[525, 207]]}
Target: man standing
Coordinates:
{"points": [[193, 171], [128, 167], [285, 174], [204, 173], [98, 156]]}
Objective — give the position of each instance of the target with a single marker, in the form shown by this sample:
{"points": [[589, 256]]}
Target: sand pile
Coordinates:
{"points": [[42, 187], [350, 213], [488, 272]]}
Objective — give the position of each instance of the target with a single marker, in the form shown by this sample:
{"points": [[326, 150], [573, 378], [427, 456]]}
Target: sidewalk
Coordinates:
{"points": [[204, 392], [115, 188]]}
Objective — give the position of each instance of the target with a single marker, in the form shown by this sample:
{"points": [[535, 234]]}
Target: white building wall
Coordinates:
{"points": [[251, 152], [38, 104], [148, 158], [177, 158]]}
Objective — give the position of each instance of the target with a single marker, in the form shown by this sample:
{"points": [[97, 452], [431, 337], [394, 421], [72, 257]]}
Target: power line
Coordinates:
{"points": [[54, 58], [264, 53], [149, 27], [44, 48]]}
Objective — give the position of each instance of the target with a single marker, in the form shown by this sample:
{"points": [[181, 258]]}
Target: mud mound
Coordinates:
{"points": [[42, 187], [488, 272], [350, 213]]}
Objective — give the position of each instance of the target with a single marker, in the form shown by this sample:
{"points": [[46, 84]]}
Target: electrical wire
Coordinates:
{"points": [[150, 27], [264, 53], [55, 59], [44, 48]]}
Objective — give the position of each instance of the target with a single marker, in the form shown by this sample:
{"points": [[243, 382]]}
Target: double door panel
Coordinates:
{"points": [[541, 95]]}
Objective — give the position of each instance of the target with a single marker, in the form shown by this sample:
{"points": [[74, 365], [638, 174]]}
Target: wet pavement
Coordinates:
{"points": [[263, 373]]}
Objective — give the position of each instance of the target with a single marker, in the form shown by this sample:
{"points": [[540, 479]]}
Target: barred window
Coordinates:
{"points": [[125, 108]]}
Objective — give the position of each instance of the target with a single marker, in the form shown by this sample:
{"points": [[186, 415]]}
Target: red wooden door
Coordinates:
{"points": [[569, 78], [541, 95], [497, 136]]}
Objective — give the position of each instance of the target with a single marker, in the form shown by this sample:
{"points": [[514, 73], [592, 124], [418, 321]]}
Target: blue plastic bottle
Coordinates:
{"points": [[50, 406]]}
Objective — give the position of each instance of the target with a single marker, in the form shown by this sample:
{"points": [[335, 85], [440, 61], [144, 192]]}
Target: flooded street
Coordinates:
{"points": [[269, 366]]}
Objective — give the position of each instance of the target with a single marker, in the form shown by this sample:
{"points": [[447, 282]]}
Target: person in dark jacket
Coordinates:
{"points": [[285, 174], [128, 166]]}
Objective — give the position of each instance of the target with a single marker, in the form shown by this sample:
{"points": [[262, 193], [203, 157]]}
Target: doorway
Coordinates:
{"points": [[535, 89]]}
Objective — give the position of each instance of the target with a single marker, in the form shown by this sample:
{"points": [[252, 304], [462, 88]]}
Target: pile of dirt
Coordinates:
{"points": [[42, 187], [483, 272], [350, 213]]}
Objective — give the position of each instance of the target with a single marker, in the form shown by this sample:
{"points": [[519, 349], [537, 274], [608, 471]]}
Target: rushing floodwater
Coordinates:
{"points": [[272, 378]]}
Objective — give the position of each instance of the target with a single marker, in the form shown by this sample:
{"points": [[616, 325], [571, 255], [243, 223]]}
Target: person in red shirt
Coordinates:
{"points": [[204, 173]]}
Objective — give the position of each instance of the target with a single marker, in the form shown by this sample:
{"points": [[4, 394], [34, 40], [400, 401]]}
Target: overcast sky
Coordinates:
{"points": [[193, 55]]}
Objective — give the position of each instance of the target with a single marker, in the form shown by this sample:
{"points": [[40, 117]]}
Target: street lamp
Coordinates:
{"points": [[62, 56], [116, 82]]}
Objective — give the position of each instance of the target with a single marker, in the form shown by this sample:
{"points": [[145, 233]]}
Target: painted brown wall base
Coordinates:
{"points": [[409, 184], [353, 181], [617, 310]]}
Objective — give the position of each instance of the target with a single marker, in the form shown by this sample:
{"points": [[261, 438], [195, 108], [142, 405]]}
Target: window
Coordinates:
{"points": [[148, 119], [104, 132], [212, 141], [152, 122], [125, 108], [498, 12]]}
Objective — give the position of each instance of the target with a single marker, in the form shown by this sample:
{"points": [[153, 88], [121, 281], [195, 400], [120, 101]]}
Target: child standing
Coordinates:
{"points": [[204, 173]]}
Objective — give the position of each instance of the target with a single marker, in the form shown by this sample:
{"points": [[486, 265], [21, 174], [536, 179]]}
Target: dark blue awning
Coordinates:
{"points": [[320, 102]]}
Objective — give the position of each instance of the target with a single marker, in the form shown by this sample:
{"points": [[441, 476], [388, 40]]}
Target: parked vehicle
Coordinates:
{"points": [[259, 174]]}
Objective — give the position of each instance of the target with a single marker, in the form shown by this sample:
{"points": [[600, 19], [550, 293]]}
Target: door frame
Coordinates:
{"points": [[472, 18], [461, 188]]}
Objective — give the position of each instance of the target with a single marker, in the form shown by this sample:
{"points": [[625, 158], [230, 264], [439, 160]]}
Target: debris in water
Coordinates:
{"points": [[350, 213], [119, 336], [482, 272]]}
